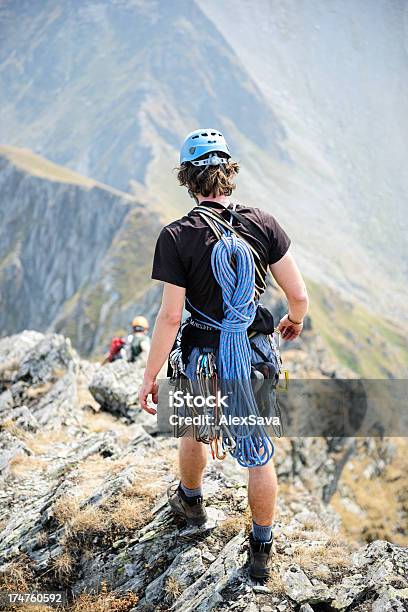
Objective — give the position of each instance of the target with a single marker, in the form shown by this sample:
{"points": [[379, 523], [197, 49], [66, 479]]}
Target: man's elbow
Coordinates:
{"points": [[170, 317], [299, 296]]}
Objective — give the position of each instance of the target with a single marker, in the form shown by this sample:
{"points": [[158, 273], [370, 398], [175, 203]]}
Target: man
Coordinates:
{"points": [[183, 262]]}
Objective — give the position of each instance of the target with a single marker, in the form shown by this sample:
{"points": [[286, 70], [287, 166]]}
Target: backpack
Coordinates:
{"points": [[115, 346], [134, 346]]}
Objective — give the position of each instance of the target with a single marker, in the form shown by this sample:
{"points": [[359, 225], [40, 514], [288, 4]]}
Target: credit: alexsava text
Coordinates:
{"points": [[208, 419]]}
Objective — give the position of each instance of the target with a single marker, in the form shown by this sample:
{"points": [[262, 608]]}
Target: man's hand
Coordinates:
{"points": [[149, 387], [289, 330]]}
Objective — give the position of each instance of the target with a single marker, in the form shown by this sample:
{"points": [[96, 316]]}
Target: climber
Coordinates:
{"points": [[132, 346], [138, 342], [194, 257]]}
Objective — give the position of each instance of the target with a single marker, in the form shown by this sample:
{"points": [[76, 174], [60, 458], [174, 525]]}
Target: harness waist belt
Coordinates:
{"points": [[201, 325]]}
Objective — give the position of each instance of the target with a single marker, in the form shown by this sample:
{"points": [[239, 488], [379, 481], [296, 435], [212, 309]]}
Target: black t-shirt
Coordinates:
{"points": [[183, 252]]}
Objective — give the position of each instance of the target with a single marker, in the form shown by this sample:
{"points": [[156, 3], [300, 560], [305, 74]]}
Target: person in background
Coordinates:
{"points": [[133, 346]]}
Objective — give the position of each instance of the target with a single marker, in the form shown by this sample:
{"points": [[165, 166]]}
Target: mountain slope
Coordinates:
{"points": [[76, 255], [313, 99], [105, 78], [336, 76]]}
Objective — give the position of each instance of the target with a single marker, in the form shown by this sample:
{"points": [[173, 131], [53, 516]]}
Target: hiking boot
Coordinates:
{"points": [[190, 509], [259, 558]]}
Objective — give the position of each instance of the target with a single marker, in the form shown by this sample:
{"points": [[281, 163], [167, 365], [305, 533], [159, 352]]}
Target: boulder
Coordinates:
{"points": [[116, 386]]}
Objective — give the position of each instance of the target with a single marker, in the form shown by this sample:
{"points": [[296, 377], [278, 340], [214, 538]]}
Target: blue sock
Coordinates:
{"points": [[191, 492], [262, 533]]}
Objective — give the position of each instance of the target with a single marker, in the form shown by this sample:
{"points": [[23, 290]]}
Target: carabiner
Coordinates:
{"points": [[221, 458], [211, 440]]}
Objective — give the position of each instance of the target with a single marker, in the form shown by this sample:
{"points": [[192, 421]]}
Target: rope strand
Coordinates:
{"points": [[234, 269]]}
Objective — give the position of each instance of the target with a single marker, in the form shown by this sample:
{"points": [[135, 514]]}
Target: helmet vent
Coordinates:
{"points": [[204, 134], [196, 136]]}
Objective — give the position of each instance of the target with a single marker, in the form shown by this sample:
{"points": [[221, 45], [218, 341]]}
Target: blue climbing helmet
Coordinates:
{"points": [[204, 141]]}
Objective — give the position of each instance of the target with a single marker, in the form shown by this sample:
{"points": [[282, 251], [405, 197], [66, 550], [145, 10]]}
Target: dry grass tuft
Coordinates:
{"points": [[17, 576], [42, 538], [130, 514], [58, 373], [275, 582], [89, 521], [8, 367], [105, 602], [21, 465], [63, 566], [100, 422], [42, 441], [144, 486], [309, 557], [231, 526], [87, 476], [66, 508], [39, 442], [173, 588], [128, 511], [15, 430]]}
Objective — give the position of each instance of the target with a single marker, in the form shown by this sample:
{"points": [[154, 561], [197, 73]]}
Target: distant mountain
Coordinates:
{"points": [[75, 255], [105, 86], [313, 99]]}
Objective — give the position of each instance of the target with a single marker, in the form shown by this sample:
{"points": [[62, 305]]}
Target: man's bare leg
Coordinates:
{"points": [[262, 493], [186, 500], [192, 461]]}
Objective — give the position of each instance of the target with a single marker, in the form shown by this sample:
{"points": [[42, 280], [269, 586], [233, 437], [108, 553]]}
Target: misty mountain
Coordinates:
{"points": [[312, 98]]}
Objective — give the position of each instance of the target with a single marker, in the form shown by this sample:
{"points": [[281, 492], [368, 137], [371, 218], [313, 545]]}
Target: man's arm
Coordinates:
{"points": [[289, 279], [164, 334]]}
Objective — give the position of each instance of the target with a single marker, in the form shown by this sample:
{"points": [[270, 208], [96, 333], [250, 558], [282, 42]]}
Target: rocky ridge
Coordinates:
{"points": [[67, 252], [84, 507]]}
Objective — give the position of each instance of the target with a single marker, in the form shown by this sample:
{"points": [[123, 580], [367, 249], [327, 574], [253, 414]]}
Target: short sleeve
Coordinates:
{"points": [[279, 241], [167, 265]]}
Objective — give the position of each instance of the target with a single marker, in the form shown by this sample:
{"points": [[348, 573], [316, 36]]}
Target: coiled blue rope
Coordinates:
{"points": [[234, 269]]}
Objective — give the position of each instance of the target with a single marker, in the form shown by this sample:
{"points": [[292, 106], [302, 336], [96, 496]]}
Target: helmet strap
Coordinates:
{"points": [[223, 168], [202, 172]]}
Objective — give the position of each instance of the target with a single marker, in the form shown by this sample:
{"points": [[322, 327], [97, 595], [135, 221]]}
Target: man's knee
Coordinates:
{"points": [[266, 472]]}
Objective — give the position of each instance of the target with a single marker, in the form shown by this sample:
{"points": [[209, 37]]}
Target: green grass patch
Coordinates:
{"points": [[371, 346]]}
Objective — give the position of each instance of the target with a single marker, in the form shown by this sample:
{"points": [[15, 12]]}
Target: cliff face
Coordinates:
{"points": [[61, 238]]}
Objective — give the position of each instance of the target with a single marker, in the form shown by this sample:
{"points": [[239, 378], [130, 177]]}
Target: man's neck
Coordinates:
{"points": [[222, 199]]}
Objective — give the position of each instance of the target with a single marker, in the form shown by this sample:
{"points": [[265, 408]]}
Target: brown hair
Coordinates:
{"points": [[208, 180]]}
